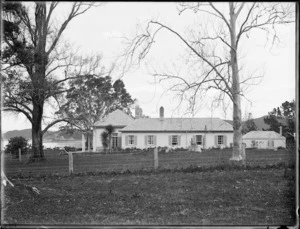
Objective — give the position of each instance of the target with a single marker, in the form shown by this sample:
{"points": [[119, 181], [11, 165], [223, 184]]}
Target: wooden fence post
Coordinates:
{"points": [[155, 158], [70, 162], [244, 153], [20, 154]]}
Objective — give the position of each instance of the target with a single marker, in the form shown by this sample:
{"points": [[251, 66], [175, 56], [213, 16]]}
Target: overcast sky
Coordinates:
{"points": [[99, 31]]}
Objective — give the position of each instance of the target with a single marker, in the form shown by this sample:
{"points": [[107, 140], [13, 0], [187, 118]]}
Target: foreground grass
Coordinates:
{"points": [[234, 197]]}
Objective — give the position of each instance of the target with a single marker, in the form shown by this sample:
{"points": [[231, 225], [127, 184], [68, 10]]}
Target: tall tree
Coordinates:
{"points": [[283, 116], [213, 59], [93, 97], [248, 125], [31, 56]]}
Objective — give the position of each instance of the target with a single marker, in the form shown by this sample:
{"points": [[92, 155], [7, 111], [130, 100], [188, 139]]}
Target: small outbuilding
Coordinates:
{"points": [[264, 140]]}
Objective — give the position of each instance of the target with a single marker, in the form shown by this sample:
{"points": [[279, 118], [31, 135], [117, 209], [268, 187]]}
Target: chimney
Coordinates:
{"points": [[280, 130], [250, 116], [137, 112], [161, 113]]}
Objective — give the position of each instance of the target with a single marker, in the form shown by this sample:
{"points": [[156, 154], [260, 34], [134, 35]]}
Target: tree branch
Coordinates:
{"points": [[15, 108], [53, 123], [75, 11], [221, 15], [240, 9], [197, 53]]}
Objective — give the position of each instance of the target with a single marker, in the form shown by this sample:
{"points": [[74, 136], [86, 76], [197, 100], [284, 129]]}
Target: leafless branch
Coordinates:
{"points": [[77, 9], [221, 15]]}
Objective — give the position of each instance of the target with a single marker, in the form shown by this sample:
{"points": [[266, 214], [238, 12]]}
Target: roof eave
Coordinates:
{"points": [[181, 131]]}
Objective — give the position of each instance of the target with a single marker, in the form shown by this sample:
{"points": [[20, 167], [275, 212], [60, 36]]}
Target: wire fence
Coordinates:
{"points": [[58, 161]]}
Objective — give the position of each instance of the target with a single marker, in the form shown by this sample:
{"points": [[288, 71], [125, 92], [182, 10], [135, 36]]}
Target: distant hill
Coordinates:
{"points": [[259, 122], [49, 135]]}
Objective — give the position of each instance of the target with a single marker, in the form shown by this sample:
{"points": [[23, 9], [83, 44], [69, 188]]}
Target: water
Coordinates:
{"points": [[76, 144]]}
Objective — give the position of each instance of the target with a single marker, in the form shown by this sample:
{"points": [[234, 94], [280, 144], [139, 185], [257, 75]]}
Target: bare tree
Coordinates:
{"points": [[213, 51], [32, 56]]}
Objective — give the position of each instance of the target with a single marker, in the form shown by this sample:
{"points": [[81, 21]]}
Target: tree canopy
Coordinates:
{"points": [[35, 66], [248, 126], [90, 99], [283, 116]]}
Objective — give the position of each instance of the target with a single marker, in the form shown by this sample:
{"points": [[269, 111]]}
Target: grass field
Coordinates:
{"points": [[233, 197], [123, 189]]}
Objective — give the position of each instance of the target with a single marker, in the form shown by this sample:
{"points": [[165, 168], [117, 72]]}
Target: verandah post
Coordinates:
{"points": [[155, 158]]}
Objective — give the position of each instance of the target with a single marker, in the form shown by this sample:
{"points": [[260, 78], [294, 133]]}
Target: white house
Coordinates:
{"points": [[164, 132], [118, 119], [264, 140]]}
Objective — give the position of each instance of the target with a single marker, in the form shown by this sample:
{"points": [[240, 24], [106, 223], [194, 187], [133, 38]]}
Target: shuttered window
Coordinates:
{"points": [[150, 140], [174, 140], [199, 139], [220, 139], [131, 140]]}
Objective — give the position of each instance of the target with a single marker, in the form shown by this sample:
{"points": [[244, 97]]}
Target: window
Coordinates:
{"points": [[131, 140], [114, 137], [199, 139], [271, 143], [220, 139], [150, 140], [174, 140]]}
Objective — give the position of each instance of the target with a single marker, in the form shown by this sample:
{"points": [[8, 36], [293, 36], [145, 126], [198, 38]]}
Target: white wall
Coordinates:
{"points": [[280, 143], [162, 139], [97, 143], [263, 143]]}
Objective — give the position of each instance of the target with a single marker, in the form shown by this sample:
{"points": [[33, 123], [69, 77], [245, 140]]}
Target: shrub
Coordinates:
{"points": [[16, 143], [180, 149], [69, 148], [162, 149]]}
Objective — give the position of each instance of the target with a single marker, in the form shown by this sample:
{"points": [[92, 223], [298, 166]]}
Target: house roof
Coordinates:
{"points": [[263, 135], [178, 124], [116, 118]]}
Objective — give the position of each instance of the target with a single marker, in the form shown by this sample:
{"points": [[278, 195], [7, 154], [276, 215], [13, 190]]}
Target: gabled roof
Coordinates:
{"points": [[116, 118], [263, 135], [178, 124]]}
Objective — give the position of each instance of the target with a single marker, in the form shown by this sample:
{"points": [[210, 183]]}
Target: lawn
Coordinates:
{"points": [[188, 197]]}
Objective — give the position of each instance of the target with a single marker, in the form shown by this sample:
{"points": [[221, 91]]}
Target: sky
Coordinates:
{"points": [[100, 30]]}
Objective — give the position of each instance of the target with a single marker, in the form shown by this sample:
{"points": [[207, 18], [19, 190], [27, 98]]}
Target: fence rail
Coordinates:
{"points": [[58, 161]]}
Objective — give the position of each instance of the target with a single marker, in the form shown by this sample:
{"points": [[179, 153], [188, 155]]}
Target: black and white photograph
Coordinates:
{"points": [[149, 114]]}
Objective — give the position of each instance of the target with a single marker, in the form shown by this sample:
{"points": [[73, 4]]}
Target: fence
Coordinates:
{"points": [[62, 163]]}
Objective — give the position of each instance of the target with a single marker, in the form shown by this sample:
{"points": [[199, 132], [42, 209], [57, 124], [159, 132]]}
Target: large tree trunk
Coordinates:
{"points": [[38, 82], [37, 137], [237, 119]]}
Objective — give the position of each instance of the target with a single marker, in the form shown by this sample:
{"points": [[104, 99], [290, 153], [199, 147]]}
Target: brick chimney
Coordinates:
{"points": [[280, 130], [138, 112], [161, 113]]}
